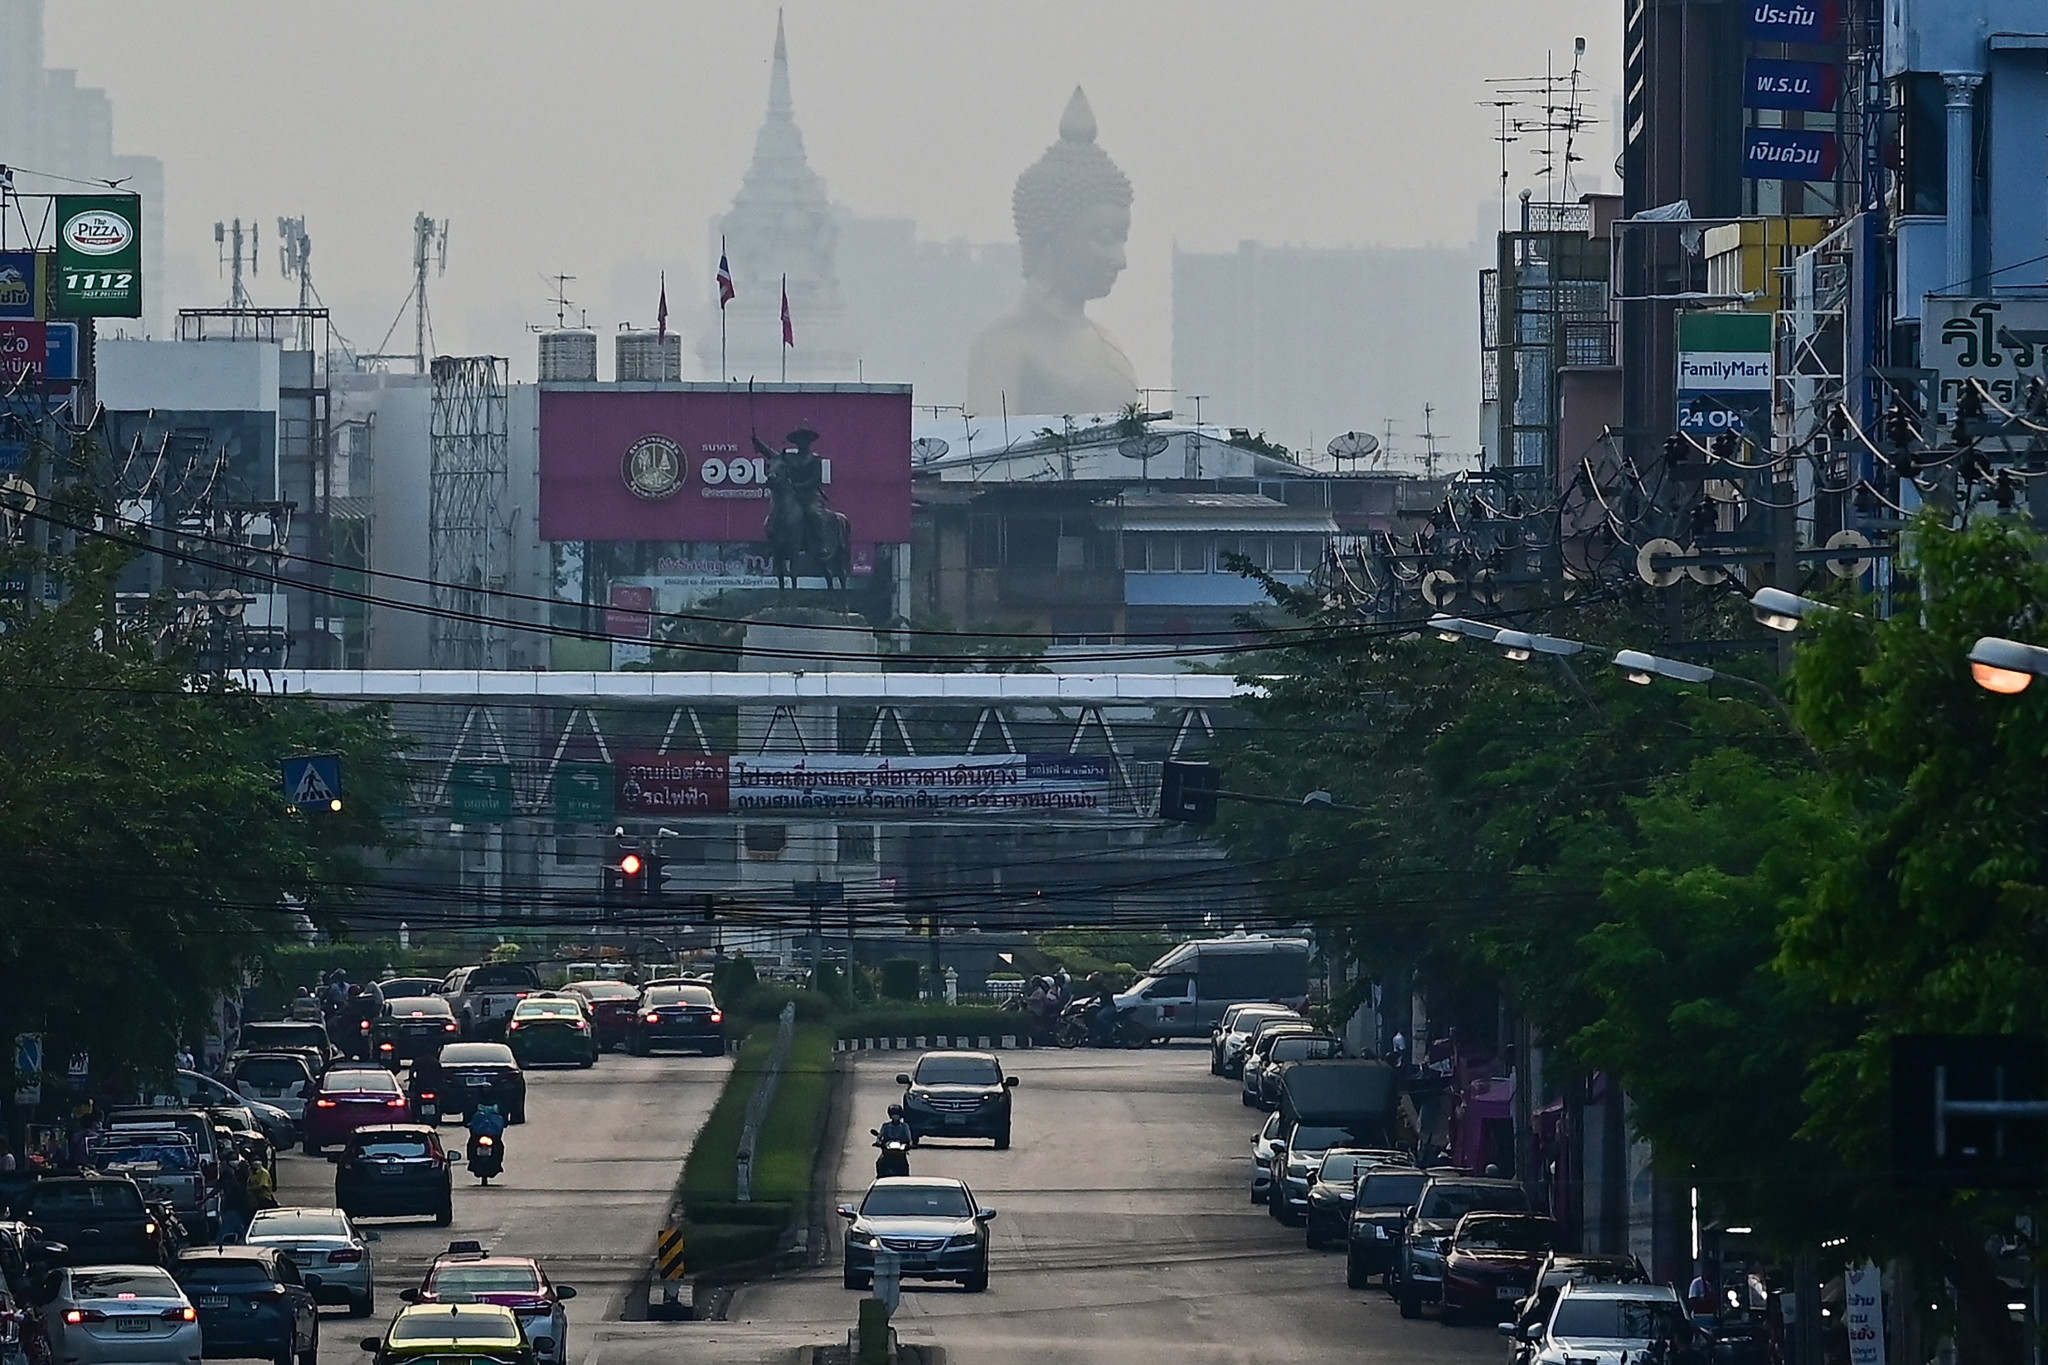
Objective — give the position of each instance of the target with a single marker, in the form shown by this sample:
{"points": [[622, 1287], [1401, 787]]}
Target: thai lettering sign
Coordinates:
{"points": [[99, 256], [1811, 87], [1794, 21], [1724, 374], [1789, 154], [21, 284], [24, 354], [845, 784], [1863, 1314], [2001, 343]]}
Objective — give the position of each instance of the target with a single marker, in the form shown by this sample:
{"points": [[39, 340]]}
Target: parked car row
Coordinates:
{"points": [[1472, 1245]]}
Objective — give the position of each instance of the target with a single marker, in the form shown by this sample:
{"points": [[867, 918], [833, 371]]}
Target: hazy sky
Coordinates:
{"points": [[597, 138]]}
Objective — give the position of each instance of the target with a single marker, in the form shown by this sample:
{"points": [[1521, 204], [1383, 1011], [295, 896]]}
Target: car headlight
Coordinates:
{"points": [[962, 1241], [861, 1239]]}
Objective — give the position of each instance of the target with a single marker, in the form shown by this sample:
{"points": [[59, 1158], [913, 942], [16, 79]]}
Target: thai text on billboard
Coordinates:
{"points": [[845, 784], [2000, 343], [691, 463], [1794, 21], [1789, 154], [1809, 87]]}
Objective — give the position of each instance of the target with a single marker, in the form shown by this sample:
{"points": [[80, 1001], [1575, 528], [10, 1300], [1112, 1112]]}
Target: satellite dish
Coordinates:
{"points": [[1657, 577], [1143, 447], [1440, 587], [1849, 568], [925, 449], [1353, 445]]}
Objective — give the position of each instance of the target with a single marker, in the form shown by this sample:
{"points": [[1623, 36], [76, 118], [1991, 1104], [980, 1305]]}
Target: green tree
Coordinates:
{"points": [[150, 858]]}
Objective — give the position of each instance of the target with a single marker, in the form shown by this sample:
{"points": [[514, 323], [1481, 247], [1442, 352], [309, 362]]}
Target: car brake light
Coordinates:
{"points": [[513, 1025], [78, 1315], [323, 1104], [346, 1257], [447, 1028], [653, 1018], [717, 1018], [426, 1094], [397, 1103]]}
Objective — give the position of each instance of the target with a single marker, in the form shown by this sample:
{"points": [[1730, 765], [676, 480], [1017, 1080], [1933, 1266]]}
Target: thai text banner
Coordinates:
{"points": [[844, 784]]}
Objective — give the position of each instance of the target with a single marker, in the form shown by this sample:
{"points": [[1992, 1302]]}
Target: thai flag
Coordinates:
{"points": [[661, 316], [725, 289], [788, 331]]}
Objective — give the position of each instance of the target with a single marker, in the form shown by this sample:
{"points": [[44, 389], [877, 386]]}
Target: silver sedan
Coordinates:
{"points": [[325, 1243], [121, 1315]]}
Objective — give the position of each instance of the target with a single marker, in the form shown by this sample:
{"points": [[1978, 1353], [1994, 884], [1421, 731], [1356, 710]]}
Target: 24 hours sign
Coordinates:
{"points": [[99, 256]]}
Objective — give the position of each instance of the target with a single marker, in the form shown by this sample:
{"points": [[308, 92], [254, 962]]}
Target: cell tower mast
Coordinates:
{"points": [[429, 248], [229, 239]]}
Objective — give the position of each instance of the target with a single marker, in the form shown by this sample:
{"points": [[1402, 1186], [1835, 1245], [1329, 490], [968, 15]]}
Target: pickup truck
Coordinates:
{"points": [[199, 1212], [484, 997], [163, 1163], [99, 1219]]}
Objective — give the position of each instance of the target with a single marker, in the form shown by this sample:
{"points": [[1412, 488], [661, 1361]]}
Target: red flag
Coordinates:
{"points": [[788, 331], [661, 315]]}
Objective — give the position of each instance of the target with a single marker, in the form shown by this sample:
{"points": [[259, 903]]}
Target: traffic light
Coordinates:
{"points": [[653, 877], [1187, 792], [632, 877]]}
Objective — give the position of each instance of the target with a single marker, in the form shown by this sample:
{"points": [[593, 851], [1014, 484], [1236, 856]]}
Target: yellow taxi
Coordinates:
{"points": [[453, 1334]]}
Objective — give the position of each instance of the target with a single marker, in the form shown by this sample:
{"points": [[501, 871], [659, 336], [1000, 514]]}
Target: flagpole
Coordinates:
{"points": [[783, 337]]}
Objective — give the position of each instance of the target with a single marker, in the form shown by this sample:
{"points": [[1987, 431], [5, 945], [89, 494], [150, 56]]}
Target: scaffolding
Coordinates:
{"points": [[469, 538]]}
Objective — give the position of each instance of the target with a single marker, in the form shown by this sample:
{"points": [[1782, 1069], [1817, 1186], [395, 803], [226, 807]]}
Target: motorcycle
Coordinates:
{"points": [[486, 1156], [895, 1157], [1078, 1027]]}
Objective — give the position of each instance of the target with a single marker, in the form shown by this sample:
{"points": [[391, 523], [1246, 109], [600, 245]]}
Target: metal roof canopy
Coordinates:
{"points": [[988, 689]]}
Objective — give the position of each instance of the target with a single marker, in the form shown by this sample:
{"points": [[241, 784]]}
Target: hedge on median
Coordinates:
{"points": [[933, 1021], [718, 1231]]}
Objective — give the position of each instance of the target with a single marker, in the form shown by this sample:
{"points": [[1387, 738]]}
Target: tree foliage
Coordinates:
{"points": [[150, 858]]}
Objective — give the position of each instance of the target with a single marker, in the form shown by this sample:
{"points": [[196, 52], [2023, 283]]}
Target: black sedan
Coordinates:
{"points": [[678, 1017], [395, 1170], [412, 1026], [934, 1227], [958, 1095], [1334, 1186], [252, 1302], [1379, 1206], [463, 1075]]}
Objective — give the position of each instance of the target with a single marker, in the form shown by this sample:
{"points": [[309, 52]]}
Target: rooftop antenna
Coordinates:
{"points": [[429, 238], [295, 257], [560, 298], [1429, 440], [1504, 136], [1557, 105], [229, 238]]}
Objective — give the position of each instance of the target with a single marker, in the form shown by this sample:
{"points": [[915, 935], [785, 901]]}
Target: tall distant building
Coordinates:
{"points": [[914, 306], [52, 126], [1305, 342], [780, 225]]}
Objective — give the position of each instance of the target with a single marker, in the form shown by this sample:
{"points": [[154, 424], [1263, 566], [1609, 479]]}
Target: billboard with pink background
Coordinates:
{"points": [[680, 464]]}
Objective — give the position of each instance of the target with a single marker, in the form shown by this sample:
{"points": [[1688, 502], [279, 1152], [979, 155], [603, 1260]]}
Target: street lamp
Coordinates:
{"points": [[1520, 646], [1781, 610], [1643, 668], [1451, 629], [2006, 666]]}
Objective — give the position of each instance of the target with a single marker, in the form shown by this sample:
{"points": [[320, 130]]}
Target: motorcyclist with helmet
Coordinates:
{"points": [[895, 1139], [486, 1154]]}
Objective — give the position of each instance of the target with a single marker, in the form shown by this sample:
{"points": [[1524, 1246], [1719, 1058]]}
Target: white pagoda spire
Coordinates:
{"points": [[780, 223]]}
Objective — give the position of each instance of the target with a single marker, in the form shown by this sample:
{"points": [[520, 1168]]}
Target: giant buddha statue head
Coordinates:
{"points": [[1073, 211]]}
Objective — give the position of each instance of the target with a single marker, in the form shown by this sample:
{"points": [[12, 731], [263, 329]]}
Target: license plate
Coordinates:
{"points": [[1507, 1292], [956, 1118], [211, 1301], [130, 1322]]}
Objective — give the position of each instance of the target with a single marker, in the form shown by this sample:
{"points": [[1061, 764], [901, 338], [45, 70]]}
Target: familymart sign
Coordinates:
{"points": [[1724, 374]]}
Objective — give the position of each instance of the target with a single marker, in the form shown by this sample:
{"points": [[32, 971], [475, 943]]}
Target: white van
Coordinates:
{"points": [[1186, 991]]}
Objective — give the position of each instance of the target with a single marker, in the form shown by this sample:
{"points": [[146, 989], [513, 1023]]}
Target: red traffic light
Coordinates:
{"points": [[630, 864]]}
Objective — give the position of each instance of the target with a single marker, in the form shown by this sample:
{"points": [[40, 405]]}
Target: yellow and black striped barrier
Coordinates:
{"points": [[668, 1254]]}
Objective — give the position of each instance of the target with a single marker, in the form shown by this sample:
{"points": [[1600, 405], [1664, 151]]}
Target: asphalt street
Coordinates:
{"points": [[587, 1180], [1125, 1234]]}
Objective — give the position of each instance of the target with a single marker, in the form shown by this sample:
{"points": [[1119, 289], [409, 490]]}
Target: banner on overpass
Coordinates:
{"points": [[845, 784]]}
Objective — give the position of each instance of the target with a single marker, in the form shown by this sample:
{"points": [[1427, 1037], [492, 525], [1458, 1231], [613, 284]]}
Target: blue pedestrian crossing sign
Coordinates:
{"points": [[313, 782]]}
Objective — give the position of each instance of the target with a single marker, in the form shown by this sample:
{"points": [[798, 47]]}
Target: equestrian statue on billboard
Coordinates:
{"points": [[801, 521]]}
